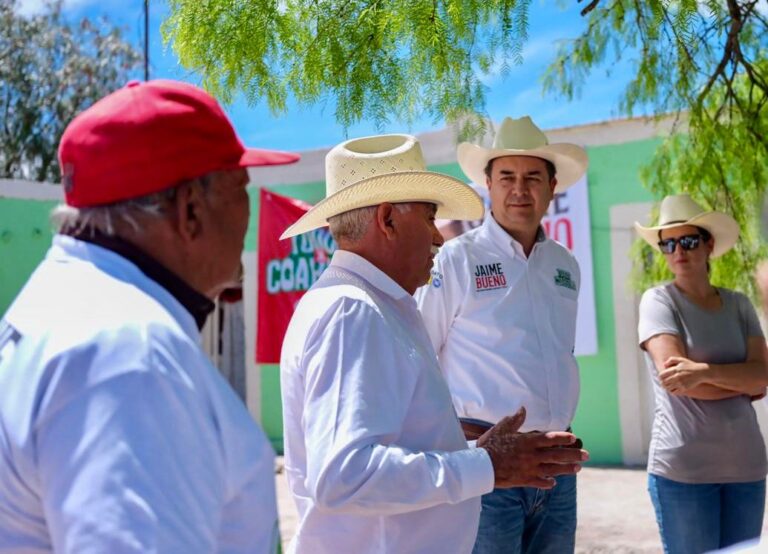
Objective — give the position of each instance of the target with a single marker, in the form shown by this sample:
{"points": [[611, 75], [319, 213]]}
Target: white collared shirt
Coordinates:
{"points": [[117, 433], [374, 454], [504, 326]]}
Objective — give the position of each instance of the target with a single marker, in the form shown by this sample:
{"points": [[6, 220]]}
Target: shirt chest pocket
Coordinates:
{"points": [[563, 308]]}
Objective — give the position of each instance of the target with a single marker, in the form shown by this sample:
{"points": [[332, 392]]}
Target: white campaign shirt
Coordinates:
{"points": [[374, 454], [504, 326], [116, 433]]}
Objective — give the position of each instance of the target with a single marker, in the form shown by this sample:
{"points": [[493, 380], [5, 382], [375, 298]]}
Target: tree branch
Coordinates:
{"points": [[680, 42], [589, 7], [731, 42]]}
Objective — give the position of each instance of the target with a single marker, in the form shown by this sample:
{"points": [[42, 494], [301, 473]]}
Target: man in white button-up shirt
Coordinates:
{"points": [[117, 433], [374, 453], [500, 310]]}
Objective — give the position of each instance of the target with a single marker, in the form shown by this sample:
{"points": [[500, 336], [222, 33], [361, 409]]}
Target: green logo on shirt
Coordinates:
{"points": [[564, 279]]}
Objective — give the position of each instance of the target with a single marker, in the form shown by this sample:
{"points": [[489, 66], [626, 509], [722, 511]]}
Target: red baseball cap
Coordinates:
{"points": [[147, 137]]}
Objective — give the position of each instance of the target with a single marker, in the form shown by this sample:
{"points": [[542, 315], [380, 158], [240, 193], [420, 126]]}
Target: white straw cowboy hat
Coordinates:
{"points": [[386, 168], [680, 209], [521, 137]]}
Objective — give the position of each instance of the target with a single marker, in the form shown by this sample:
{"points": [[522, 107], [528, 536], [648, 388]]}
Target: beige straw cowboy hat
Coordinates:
{"points": [[521, 137], [386, 168], [680, 209]]}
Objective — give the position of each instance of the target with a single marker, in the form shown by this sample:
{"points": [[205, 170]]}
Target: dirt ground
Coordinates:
{"points": [[614, 511]]}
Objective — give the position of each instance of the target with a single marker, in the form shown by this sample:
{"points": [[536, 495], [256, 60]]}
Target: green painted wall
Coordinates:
{"points": [[613, 179], [25, 235]]}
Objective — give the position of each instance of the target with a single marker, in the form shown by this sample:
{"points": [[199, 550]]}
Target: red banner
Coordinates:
{"points": [[287, 269]]}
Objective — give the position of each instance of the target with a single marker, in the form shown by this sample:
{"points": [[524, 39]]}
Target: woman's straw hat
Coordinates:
{"points": [[680, 209]]}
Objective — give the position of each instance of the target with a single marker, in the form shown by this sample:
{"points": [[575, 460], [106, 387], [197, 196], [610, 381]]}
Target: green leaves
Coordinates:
{"points": [[376, 59], [702, 63], [49, 72]]}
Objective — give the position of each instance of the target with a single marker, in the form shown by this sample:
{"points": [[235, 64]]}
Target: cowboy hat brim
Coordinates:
{"points": [[454, 199], [722, 227], [570, 160]]}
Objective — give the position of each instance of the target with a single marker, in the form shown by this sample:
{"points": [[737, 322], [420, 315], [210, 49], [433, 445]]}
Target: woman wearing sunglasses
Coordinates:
{"points": [[706, 354]]}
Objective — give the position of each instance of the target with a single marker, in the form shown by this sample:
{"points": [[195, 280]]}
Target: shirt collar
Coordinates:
{"points": [[498, 235], [196, 304], [360, 266]]}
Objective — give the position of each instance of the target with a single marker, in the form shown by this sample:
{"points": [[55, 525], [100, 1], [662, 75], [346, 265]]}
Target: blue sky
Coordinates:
{"points": [[516, 94]]}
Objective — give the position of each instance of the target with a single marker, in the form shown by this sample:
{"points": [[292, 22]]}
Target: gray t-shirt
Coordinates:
{"points": [[703, 441]]}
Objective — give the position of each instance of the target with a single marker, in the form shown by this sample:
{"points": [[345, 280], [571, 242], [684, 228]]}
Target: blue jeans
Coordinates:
{"points": [[700, 518], [529, 520]]}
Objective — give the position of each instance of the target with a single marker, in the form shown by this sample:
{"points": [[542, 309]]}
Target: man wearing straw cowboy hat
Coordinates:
{"points": [[500, 310], [117, 433], [374, 454]]}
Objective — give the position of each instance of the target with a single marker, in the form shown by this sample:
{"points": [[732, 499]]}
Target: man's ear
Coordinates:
{"points": [[553, 185], [189, 206], [384, 219]]}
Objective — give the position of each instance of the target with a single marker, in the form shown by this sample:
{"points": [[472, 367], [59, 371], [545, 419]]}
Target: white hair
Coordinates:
{"points": [[107, 218], [352, 225]]}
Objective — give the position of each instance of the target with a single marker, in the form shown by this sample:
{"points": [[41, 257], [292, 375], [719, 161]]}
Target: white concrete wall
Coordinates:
{"points": [[635, 393], [30, 190]]}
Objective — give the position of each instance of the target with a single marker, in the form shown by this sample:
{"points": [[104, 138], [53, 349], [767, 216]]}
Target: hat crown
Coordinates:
{"points": [[356, 160], [678, 208], [519, 134], [143, 138]]}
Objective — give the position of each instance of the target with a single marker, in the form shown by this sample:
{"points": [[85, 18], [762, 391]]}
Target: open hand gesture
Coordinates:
{"points": [[530, 459]]}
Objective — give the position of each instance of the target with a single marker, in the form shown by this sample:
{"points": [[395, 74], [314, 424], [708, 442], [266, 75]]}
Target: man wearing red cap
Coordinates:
{"points": [[117, 434]]}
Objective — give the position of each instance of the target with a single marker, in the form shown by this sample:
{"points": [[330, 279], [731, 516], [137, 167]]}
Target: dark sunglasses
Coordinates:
{"points": [[686, 242]]}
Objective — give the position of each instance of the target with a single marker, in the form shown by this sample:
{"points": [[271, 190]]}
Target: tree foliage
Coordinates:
{"points": [[703, 63], [49, 71], [378, 59]]}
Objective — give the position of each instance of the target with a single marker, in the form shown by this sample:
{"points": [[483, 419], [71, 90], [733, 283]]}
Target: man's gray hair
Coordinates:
{"points": [[108, 218], [351, 225]]}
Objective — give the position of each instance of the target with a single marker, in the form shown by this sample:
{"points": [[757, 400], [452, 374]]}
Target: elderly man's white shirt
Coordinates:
{"points": [[504, 326], [117, 434], [374, 454]]}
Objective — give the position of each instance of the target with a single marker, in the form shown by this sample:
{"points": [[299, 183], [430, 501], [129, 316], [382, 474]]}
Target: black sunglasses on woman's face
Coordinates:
{"points": [[686, 242]]}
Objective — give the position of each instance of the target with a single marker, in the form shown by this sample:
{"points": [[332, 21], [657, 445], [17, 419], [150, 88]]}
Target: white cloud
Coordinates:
{"points": [[597, 103], [536, 53], [526, 101], [33, 7]]}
